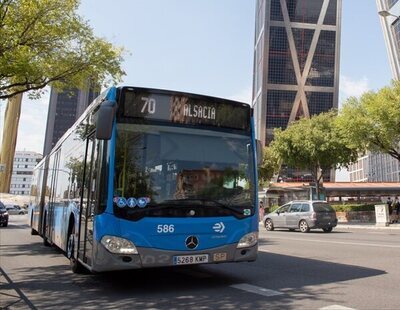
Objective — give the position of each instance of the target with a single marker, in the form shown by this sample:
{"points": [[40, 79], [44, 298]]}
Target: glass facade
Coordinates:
{"points": [[298, 74], [302, 39], [390, 3], [304, 11], [65, 114], [278, 111], [64, 109], [319, 102], [396, 35], [322, 71], [281, 70]]}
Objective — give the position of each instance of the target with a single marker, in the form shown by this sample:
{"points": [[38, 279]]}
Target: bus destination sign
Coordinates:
{"points": [[183, 109]]}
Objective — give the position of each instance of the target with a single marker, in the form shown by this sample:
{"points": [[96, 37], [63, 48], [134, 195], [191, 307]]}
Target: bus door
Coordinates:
{"points": [[88, 202], [52, 177]]}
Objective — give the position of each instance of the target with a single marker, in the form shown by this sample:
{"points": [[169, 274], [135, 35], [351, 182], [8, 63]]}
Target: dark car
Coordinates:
{"points": [[303, 215], [3, 215]]}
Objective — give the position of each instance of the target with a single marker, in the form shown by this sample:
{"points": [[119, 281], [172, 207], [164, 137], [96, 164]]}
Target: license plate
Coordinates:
{"points": [[190, 259], [219, 257]]}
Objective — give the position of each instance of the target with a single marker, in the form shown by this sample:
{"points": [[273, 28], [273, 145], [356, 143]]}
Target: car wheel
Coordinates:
{"points": [[5, 224], [269, 225], [303, 226], [327, 230]]}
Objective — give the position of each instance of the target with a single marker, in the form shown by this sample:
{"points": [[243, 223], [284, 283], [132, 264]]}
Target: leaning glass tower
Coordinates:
{"points": [[296, 62]]}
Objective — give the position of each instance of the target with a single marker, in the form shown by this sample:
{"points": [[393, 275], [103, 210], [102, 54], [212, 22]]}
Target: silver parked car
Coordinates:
{"points": [[303, 215], [15, 209]]}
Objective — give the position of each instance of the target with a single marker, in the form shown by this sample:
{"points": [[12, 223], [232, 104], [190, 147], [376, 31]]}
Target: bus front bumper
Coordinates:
{"points": [[149, 257]]}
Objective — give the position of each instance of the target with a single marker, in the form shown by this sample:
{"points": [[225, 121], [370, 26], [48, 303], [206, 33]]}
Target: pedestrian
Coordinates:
{"points": [[389, 203], [396, 206], [261, 210]]}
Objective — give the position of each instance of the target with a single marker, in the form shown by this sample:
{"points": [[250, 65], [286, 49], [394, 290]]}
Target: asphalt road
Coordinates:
{"points": [[356, 269]]}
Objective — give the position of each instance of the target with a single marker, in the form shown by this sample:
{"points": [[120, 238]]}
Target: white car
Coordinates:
{"points": [[15, 209]]}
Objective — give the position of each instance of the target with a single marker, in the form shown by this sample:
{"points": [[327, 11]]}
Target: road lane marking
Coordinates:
{"points": [[336, 307], [256, 289], [341, 242]]}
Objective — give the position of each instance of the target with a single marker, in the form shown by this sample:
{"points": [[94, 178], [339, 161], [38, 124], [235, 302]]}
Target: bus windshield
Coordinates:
{"points": [[177, 172]]}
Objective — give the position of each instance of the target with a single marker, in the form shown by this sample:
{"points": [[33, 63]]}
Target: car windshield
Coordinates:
{"points": [[322, 207], [165, 167], [283, 209]]}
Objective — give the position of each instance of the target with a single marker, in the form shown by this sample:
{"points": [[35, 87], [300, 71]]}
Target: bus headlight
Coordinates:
{"points": [[248, 240], [118, 245]]}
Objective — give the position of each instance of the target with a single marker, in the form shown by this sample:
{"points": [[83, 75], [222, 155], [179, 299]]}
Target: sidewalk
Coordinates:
{"points": [[395, 226]]}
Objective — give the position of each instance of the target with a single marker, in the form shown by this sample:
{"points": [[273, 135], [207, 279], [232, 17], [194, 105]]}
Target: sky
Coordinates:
{"points": [[206, 47]]}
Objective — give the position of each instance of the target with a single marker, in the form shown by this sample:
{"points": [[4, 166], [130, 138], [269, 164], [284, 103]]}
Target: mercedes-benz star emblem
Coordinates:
{"points": [[192, 242]]}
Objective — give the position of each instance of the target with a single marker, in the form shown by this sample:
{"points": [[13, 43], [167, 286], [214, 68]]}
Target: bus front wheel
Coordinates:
{"points": [[76, 266], [45, 240]]}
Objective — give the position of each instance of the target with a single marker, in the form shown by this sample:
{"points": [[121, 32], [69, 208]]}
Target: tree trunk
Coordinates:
{"points": [[10, 131], [319, 185]]}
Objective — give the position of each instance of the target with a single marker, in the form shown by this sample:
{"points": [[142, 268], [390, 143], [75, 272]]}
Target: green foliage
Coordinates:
{"points": [[353, 207], [46, 42], [373, 122], [270, 165], [273, 208], [314, 144]]}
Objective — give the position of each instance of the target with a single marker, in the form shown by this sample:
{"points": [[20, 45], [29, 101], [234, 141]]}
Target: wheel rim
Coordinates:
{"points": [[303, 226], [268, 224], [70, 246]]}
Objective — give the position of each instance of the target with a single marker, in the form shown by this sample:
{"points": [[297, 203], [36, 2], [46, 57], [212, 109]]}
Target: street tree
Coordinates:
{"points": [[270, 165], [372, 122], [314, 144], [46, 42]]}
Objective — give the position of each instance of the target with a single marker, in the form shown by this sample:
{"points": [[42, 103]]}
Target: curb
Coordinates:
{"points": [[361, 226], [368, 226]]}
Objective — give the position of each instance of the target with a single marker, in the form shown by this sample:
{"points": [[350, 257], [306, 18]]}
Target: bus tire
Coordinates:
{"points": [[45, 240], [76, 266], [33, 232]]}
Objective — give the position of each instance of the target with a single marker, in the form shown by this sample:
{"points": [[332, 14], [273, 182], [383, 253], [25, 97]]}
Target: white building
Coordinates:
{"points": [[375, 167], [24, 162]]}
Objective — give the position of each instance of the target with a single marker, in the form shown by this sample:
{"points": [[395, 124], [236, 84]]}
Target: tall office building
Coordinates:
{"points": [[376, 167], [64, 109], [296, 62], [389, 11]]}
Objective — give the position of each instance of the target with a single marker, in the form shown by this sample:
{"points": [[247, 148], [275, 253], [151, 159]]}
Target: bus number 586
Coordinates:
{"points": [[165, 229]]}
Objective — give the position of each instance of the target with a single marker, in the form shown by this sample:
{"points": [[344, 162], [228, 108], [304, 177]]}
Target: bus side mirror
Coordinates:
{"points": [[105, 120], [260, 153]]}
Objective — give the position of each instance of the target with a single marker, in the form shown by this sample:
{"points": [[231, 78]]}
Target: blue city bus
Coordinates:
{"points": [[151, 178]]}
